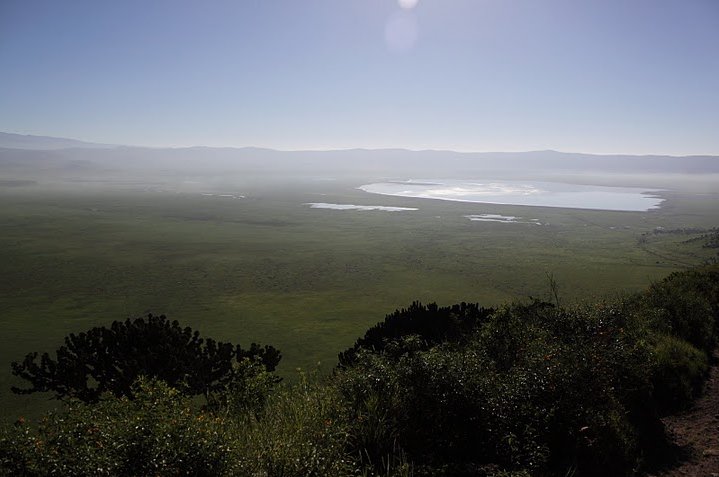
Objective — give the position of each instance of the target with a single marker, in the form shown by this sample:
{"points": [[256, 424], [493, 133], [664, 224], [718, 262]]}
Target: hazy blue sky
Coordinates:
{"points": [[636, 76]]}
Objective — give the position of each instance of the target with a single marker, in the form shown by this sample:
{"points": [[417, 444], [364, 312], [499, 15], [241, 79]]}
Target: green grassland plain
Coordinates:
{"points": [[268, 268]]}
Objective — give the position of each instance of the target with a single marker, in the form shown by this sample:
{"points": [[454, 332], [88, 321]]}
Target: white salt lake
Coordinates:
{"points": [[324, 205], [541, 194], [503, 219], [230, 196]]}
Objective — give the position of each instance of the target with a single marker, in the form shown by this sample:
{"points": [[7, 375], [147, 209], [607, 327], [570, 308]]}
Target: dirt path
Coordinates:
{"points": [[697, 432]]}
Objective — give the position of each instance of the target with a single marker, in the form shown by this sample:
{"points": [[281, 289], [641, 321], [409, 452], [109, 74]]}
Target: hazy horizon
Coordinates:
{"points": [[91, 143]]}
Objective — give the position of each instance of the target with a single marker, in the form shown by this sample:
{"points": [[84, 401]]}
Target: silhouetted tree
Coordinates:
{"points": [[111, 359], [431, 323]]}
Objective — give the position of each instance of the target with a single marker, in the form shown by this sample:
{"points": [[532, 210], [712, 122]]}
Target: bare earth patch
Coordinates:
{"points": [[697, 432]]}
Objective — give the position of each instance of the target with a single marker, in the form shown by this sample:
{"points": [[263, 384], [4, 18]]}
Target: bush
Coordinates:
{"points": [[104, 360], [679, 372], [245, 391], [159, 433], [684, 306], [535, 389], [430, 324], [301, 432]]}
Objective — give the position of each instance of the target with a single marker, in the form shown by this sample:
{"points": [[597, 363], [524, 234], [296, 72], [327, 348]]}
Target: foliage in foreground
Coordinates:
{"points": [[110, 359], [528, 389], [159, 432], [537, 389]]}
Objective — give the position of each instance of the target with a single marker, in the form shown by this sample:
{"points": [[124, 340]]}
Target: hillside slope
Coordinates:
{"points": [[697, 432]]}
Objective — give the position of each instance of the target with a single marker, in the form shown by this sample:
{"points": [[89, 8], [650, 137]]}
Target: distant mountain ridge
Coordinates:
{"points": [[22, 155], [34, 142], [29, 141]]}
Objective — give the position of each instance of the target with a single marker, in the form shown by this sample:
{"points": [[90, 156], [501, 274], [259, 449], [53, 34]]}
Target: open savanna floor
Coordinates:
{"points": [[270, 269]]}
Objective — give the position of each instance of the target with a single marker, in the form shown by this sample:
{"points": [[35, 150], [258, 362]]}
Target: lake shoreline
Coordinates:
{"points": [[524, 193]]}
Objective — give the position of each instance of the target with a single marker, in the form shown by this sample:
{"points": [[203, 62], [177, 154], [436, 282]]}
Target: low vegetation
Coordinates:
{"points": [[529, 388]]}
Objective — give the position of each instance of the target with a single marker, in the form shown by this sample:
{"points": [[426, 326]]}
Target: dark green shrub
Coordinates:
{"points": [[430, 324], [679, 372], [684, 305], [245, 391], [159, 433], [111, 359], [534, 388], [17, 456], [302, 431]]}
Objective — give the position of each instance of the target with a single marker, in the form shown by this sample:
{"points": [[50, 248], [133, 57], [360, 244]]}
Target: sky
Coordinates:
{"points": [[601, 76]]}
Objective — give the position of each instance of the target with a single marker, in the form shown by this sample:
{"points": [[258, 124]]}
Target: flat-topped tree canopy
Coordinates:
{"points": [[111, 359]]}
